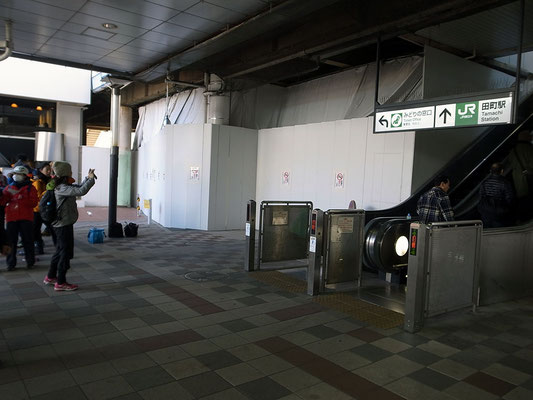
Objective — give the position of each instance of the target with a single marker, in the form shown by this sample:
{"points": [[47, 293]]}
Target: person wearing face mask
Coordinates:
{"points": [[40, 180], [20, 199]]}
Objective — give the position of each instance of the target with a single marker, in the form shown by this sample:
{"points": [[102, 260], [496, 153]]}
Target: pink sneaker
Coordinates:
{"points": [[48, 281], [65, 287]]}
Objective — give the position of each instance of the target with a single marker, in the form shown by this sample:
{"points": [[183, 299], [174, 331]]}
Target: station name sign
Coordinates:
{"points": [[449, 114]]}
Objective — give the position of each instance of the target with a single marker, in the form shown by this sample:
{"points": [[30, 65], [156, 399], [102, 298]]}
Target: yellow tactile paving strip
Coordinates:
{"points": [[370, 313], [280, 280], [344, 302]]}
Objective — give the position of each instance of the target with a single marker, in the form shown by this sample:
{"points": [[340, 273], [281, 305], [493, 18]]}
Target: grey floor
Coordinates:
{"points": [[139, 329]]}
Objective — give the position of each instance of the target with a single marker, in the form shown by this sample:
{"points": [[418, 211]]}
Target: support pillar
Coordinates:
{"points": [[114, 228], [124, 157], [69, 118]]}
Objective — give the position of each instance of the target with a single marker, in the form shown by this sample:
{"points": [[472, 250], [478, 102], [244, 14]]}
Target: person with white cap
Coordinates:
{"points": [[21, 198], [67, 215]]}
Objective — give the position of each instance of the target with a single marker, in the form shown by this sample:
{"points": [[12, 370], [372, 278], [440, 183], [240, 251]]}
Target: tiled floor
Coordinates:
{"points": [[139, 329]]}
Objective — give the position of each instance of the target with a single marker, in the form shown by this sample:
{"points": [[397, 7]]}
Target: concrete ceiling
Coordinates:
{"points": [[284, 41]]}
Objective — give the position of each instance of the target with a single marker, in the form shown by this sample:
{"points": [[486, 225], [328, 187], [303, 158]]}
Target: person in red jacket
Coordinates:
{"points": [[21, 198]]}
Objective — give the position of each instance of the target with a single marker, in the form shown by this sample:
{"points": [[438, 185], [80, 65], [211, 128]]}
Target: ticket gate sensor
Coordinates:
{"points": [[249, 256]]}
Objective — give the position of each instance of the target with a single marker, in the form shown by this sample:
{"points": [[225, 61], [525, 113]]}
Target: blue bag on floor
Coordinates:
{"points": [[96, 235]]}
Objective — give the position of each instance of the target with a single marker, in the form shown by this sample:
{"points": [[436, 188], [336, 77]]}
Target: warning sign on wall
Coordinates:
{"points": [[339, 180]]}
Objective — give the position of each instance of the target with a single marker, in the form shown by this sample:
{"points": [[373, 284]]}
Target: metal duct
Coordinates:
{"points": [[7, 44], [49, 146], [218, 108]]}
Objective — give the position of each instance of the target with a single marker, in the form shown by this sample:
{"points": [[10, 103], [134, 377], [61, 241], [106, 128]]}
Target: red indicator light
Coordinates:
{"points": [[414, 236]]}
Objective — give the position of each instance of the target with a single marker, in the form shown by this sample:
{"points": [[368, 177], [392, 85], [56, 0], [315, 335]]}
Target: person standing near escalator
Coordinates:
{"points": [[496, 199], [434, 205], [521, 162]]}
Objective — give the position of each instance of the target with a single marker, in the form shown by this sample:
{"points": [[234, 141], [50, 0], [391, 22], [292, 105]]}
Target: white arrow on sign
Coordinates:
{"points": [[445, 115]]}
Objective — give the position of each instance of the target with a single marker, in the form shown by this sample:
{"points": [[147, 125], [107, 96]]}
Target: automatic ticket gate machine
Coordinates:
{"points": [[443, 274], [335, 249], [283, 234]]}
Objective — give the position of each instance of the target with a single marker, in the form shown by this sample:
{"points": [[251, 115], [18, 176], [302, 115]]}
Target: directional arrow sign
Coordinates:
{"points": [[445, 115], [463, 112], [408, 119]]}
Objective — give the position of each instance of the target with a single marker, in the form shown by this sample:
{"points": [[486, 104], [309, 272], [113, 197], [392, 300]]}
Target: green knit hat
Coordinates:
{"points": [[62, 168]]}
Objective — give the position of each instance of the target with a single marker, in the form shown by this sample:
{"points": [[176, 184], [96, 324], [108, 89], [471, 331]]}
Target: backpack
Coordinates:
{"points": [[130, 230], [48, 207]]}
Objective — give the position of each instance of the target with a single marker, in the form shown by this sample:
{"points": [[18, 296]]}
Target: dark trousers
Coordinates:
{"points": [[23, 228], [2, 217], [37, 226], [60, 263]]}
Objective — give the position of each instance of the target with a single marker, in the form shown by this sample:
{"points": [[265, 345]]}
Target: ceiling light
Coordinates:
{"points": [[109, 25], [14, 105], [39, 108]]}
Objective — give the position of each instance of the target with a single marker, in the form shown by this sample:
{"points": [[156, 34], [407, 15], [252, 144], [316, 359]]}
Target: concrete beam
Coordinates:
{"points": [[139, 93]]}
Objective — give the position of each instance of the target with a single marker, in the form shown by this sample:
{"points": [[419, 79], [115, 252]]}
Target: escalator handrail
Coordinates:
{"points": [[482, 162]]}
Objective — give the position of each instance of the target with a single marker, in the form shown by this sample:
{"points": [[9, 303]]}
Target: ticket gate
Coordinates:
{"points": [[335, 250], [283, 235], [443, 272]]}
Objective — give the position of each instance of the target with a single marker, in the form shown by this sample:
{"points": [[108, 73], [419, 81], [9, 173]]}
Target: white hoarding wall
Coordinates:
{"points": [[331, 163], [196, 177], [163, 175], [233, 175]]}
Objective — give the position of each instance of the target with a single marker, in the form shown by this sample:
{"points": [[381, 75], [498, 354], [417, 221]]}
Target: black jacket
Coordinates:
{"points": [[496, 196]]}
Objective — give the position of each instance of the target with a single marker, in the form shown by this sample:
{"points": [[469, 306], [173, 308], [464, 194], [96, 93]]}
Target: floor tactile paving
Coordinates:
{"points": [[344, 302], [280, 280], [374, 315]]}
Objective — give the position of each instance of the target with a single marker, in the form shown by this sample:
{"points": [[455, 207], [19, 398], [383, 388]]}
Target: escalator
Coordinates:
{"points": [[385, 228]]}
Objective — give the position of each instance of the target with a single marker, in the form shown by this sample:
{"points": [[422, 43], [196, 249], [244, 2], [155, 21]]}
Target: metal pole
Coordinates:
{"points": [[249, 257], [315, 270], [378, 64], [516, 99], [113, 167]]}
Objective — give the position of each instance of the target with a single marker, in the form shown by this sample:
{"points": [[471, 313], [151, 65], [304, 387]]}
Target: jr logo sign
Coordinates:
{"points": [[467, 114]]}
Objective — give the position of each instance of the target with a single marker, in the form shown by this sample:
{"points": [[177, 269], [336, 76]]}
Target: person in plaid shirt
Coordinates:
{"points": [[434, 205]]}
